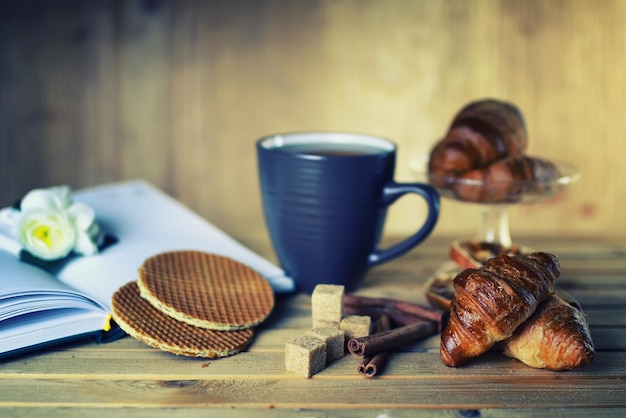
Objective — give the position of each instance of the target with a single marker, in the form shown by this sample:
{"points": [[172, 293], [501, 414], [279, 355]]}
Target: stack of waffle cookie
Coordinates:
{"points": [[194, 304]]}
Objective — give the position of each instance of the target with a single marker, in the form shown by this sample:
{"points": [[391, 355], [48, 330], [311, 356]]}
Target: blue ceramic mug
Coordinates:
{"points": [[325, 198]]}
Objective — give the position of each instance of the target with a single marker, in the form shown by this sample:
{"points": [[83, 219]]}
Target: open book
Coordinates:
{"points": [[38, 310]]}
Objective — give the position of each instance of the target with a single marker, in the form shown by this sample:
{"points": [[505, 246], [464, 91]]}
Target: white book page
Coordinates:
{"points": [[19, 281], [36, 307], [18, 278], [45, 326], [146, 222]]}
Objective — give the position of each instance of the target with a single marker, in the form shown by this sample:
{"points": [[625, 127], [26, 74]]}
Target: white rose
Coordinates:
{"points": [[51, 226], [47, 234]]}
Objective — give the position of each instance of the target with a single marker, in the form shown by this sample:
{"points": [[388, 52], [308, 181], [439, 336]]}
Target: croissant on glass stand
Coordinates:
{"points": [[509, 178], [480, 134], [482, 157], [491, 302]]}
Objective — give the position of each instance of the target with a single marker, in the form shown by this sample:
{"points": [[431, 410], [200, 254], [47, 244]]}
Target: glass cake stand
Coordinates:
{"points": [[496, 197]]}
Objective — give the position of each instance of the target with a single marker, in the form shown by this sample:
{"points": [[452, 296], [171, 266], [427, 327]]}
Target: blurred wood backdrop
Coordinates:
{"points": [[177, 92]]}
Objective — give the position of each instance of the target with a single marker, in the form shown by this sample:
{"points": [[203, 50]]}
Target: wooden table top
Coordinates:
{"points": [[128, 378]]}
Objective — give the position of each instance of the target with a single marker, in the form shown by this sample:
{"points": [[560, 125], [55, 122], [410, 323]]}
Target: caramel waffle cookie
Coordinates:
{"points": [[205, 290], [142, 321]]}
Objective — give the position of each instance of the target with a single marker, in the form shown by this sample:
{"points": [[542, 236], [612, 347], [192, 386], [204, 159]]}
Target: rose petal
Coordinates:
{"points": [[84, 244], [81, 215], [58, 197], [46, 234]]}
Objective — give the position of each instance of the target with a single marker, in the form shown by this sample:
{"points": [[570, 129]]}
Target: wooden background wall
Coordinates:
{"points": [[177, 92]]}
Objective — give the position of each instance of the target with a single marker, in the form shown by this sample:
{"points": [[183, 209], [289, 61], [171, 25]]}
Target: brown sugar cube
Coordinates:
{"points": [[327, 302], [305, 355], [356, 326], [334, 339]]}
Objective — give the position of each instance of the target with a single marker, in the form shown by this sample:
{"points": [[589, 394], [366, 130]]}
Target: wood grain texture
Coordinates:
{"points": [[177, 92], [127, 378]]}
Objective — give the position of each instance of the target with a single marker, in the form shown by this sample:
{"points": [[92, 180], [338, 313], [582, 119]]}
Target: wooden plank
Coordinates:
{"points": [[317, 393], [273, 412], [599, 297], [609, 339], [146, 364]]}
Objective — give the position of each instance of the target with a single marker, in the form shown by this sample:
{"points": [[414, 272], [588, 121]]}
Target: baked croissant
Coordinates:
{"points": [[482, 157], [492, 301], [509, 178], [555, 337], [482, 133]]}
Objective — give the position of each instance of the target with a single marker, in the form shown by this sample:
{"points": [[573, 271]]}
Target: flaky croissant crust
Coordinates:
{"points": [[492, 301], [480, 134], [555, 337]]}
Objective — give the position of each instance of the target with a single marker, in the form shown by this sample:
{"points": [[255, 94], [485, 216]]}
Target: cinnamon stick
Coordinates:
{"points": [[432, 314], [381, 341], [372, 364], [399, 318]]}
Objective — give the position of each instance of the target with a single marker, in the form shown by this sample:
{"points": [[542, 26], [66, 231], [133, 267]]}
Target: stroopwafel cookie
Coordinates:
{"points": [[144, 322], [206, 290]]}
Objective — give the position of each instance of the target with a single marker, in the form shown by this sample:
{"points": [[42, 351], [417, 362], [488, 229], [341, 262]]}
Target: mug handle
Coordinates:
{"points": [[392, 192]]}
